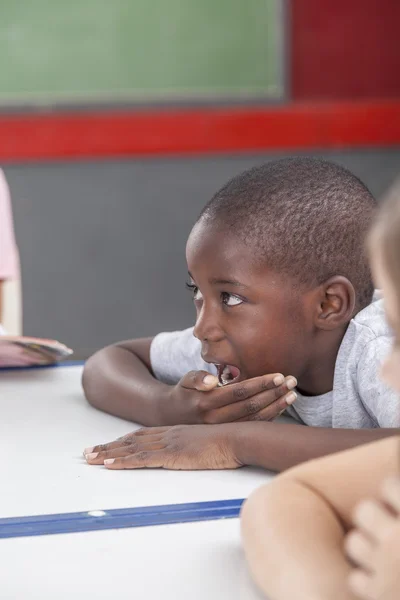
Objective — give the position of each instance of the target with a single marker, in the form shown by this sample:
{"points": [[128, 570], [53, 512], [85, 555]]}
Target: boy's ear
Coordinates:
{"points": [[337, 302]]}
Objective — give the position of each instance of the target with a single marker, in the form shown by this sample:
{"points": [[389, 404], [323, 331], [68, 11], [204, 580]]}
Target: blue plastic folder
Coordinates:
{"points": [[119, 518]]}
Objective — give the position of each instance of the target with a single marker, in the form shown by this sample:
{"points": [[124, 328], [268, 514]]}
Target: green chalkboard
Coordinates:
{"points": [[99, 50]]}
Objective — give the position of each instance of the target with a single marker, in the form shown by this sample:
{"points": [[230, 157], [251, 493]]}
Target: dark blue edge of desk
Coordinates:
{"points": [[119, 518], [70, 363]]}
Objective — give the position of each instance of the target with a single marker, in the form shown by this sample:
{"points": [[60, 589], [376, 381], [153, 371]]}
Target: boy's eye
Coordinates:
{"points": [[197, 295], [231, 299], [227, 299]]}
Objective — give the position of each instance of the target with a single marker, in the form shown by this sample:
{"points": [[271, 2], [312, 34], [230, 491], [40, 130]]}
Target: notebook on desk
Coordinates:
{"points": [[21, 351]]}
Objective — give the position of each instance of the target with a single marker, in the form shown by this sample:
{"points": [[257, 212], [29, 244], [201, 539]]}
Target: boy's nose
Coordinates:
{"points": [[207, 327]]}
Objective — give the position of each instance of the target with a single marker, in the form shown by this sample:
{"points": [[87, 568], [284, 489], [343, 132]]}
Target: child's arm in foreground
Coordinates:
{"points": [[293, 529], [119, 380]]}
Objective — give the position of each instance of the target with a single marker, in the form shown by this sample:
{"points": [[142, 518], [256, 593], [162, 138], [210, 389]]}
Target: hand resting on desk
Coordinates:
{"points": [[182, 447]]}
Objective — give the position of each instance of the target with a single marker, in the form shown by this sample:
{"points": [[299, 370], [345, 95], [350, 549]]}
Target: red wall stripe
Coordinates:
{"points": [[223, 130]]}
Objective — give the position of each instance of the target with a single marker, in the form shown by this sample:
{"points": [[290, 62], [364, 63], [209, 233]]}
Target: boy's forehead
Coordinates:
{"points": [[203, 232], [217, 253], [210, 242]]}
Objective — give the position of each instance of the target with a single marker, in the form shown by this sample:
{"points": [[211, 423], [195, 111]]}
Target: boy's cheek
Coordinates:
{"points": [[265, 361]]}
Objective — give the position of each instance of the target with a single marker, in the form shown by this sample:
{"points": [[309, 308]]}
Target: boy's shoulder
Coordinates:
{"points": [[371, 322], [368, 337], [366, 344], [362, 399]]}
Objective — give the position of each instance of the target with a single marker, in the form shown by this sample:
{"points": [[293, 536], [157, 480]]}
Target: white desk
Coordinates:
{"points": [[45, 424]]}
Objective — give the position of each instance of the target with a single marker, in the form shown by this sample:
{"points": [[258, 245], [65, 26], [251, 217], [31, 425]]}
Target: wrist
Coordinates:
{"points": [[163, 406], [246, 443]]}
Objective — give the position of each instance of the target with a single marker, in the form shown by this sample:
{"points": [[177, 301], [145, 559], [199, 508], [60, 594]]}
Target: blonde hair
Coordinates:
{"points": [[386, 235]]}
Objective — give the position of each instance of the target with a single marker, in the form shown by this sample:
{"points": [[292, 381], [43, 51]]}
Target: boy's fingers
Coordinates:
{"points": [[275, 409], [124, 440], [199, 380], [109, 446], [98, 458], [139, 460], [152, 443], [272, 411], [271, 403], [146, 431], [275, 384], [151, 434]]}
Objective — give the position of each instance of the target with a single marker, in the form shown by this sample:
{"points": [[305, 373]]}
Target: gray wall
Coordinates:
{"points": [[102, 243]]}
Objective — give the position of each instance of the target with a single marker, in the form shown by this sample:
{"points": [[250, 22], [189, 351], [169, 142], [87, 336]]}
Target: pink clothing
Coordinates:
{"points": [[9, 263]]}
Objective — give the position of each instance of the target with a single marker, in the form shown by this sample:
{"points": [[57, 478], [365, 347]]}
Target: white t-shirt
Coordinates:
{"points": [[359, 398]]}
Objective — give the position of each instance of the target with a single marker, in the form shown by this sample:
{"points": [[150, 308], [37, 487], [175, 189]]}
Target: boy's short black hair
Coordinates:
{"points": [[309, 218]]}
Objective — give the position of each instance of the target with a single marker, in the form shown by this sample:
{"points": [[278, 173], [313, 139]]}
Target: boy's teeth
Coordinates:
{"points": [[226, 376]]}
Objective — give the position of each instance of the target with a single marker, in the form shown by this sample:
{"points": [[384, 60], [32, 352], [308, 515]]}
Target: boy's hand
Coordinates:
{"points": [[183, 447], [198, 399]]}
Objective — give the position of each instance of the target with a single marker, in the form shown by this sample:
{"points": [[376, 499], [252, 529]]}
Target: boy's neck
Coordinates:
{"points": [[318, 378]]}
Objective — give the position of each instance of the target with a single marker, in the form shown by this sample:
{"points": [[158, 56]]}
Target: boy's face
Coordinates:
{"points": [[390, 368], [248, 317]]}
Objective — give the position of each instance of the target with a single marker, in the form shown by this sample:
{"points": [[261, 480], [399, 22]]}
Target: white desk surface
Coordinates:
{"points": [[45, 424], [192, 561]]}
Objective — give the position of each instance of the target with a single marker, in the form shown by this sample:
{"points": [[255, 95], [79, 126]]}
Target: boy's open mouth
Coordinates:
{"points": [[227, 374]]}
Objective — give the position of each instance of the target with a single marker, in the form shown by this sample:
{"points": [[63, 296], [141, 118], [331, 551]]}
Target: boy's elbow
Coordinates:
{"points": [[91, 379]]}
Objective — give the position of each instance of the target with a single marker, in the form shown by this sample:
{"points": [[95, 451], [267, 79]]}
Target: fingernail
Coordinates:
{"points": [[290, 398], [209, 379], [91, 455], [88, 450], [109, 461], [278, 379], [291, 383]]}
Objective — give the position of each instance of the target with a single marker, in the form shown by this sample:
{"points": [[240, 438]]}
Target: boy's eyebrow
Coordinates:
{"points": [[235, 282], [216, 281]]}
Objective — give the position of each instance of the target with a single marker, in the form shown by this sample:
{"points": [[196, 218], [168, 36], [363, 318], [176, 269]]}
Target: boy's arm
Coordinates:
{"points": [[279, 446], [119, 380], [273, 446]]}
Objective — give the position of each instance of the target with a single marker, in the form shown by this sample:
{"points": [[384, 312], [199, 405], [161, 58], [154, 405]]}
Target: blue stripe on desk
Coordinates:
{"points": [[119, 518]]}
